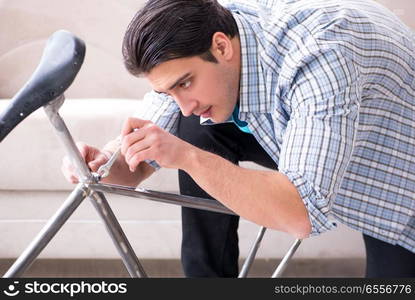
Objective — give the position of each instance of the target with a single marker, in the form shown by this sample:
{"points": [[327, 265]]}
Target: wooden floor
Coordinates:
{"points": [[76, 268]]}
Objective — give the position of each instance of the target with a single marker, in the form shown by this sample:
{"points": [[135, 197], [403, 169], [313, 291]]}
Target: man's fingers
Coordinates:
{"points": [[101, 159], [88, 153], [73, 179], [68, 170], [136, 143], [83, 149], [131, 139], [93, 166], [91, 155], [137, 136], [137, 158], [136, 148], [133, 123]]}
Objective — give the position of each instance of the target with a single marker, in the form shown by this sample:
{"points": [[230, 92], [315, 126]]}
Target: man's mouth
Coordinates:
{"points": [[206, 113]]}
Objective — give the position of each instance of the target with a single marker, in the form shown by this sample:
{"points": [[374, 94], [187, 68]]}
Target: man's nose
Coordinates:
{"points": [[187, 106]]}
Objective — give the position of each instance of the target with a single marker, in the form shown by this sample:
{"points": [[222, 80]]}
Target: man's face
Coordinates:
{"points": [[199, 87]]}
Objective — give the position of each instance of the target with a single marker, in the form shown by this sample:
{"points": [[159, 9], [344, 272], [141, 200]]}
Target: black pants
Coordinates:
{"points": [[210, 240], [385, 260]]}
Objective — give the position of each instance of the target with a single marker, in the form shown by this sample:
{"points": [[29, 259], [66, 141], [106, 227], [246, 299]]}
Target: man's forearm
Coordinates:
{"points": [[267, 198]]}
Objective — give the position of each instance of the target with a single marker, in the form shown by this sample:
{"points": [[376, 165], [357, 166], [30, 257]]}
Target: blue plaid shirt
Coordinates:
{"points": [[327, 88]]}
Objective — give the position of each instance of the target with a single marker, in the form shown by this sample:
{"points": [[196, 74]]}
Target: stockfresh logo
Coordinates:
{"points": [[12, 290]]}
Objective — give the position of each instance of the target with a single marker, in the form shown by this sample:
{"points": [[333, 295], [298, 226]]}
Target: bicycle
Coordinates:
{"points": [[61, 60]]}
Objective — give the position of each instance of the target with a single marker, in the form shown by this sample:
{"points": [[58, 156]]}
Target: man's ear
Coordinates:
{"points": [[222, 46]]}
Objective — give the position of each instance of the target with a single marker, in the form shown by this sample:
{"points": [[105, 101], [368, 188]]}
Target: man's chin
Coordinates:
{"points": [[220, 119], [217, 120]]}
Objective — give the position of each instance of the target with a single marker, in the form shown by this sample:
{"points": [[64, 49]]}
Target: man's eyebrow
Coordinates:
{"points": [[178, 81]]}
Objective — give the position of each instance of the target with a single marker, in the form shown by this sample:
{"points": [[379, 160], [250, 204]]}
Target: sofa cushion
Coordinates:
{"points": [[32, 153]]}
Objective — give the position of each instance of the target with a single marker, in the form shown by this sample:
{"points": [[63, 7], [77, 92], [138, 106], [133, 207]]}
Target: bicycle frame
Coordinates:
{"points": [[90, 187]]}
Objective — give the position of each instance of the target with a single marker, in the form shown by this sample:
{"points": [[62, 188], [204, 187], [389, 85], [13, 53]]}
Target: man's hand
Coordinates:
{"points": [[92, 156], [143, 140], [119, 173]]}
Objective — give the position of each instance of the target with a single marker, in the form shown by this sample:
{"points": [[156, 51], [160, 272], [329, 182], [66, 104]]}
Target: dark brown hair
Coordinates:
{"points": [[168, 29]]}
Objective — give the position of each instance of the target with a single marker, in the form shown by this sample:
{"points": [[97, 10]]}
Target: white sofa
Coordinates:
{"points": [[102, 96]]}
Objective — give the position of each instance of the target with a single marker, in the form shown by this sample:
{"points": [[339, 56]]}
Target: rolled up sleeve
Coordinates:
{"points": [[318, 140]]}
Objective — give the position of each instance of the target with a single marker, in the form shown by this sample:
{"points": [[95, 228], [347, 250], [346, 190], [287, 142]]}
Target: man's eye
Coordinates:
{"points": [[185, 84]]}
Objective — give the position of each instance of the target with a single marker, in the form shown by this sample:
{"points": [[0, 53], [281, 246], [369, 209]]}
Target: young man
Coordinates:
{"points": [[322, 92]]}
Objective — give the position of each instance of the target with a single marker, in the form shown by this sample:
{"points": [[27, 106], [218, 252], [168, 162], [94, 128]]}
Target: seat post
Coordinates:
{"points": [[52, 112]]}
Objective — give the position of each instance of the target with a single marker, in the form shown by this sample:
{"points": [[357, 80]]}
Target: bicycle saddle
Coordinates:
{"points": [[61, 60]]}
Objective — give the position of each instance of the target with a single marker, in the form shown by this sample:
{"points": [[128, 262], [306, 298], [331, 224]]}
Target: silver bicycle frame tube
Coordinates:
{"points": [[48, 232], [252, 253], [131, 262], [182, 200], [284, 262]]}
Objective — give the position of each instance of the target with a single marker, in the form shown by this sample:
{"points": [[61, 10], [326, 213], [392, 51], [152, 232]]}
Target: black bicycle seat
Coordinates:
{"points": [[61, 60]]}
